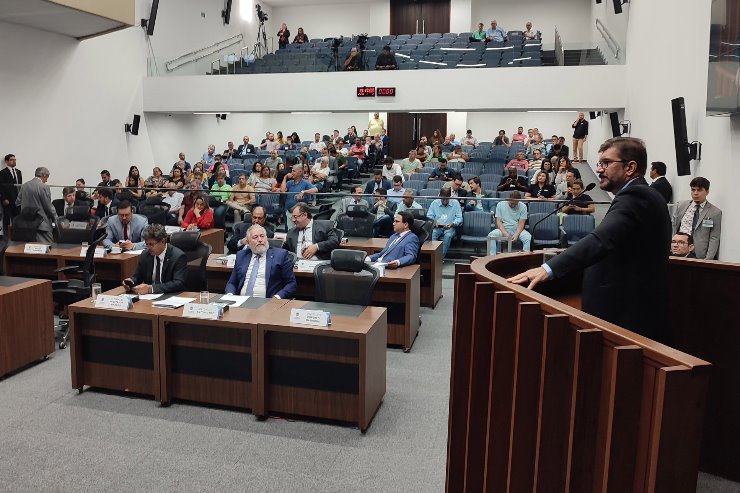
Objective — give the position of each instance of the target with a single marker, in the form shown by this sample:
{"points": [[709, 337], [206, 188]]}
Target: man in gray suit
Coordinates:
{"points": [[700, 219], [356, 199], [35, 193], [125, 228]]}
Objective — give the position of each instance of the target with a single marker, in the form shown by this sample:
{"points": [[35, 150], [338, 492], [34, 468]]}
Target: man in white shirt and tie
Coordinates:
{"points": [[261, 271]]}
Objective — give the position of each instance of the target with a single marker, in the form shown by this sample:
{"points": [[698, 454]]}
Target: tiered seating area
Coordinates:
{"points": [[418, 51]]}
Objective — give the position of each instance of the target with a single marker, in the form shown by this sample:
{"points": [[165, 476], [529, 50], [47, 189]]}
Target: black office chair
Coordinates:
{"points": [[219, 211], [422, 229], [323, 215], [78, 213], [58, 205], [69, 231], [357, 221], [347, 279], [293, 257], [26, 224], [67, 292], [239, 230], [197, 253], [156, 213], [418, 213]]}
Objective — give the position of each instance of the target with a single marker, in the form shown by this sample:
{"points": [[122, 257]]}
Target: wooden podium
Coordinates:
{"points": [[545, 397]]}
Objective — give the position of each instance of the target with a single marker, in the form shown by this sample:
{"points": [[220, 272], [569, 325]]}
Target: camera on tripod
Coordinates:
{"points": [[362, 40], [261, 14]]}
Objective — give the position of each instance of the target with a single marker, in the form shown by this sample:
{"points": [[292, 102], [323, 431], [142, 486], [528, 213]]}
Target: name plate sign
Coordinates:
{"points": [[36, 248], [318, 318], [121, 303], [198, 310], [99, 252]]}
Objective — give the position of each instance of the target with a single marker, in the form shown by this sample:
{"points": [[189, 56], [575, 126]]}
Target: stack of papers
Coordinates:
{"points": [[174, 302], [172, 229], [308, 265]]}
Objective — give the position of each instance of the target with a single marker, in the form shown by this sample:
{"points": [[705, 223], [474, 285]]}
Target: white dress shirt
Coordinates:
{"points": [[174, 200], [161, 265], [260, 287], [305, 240]]}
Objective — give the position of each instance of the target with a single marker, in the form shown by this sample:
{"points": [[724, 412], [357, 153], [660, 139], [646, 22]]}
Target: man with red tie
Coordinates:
{"points": [[125, 228]]}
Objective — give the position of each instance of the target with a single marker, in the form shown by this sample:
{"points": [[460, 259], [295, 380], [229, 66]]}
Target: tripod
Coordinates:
{"points": [[260, 48]]}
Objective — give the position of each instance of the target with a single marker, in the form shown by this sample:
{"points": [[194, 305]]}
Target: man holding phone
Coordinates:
{"points": [[125, 228], [162, 268]]}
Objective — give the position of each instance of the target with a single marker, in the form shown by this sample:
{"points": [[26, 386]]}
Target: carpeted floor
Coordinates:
{"points": [[54, 439]]}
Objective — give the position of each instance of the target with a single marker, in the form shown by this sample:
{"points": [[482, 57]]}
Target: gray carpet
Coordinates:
{"points": [[54, 439]]}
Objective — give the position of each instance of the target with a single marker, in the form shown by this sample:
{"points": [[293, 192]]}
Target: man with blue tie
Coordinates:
{"points": [[403, 245], [261, 271]]}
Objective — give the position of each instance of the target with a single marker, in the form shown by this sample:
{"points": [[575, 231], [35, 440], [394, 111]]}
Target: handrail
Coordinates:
{"points": [[559, 52], [610, 41], [186, 58]]}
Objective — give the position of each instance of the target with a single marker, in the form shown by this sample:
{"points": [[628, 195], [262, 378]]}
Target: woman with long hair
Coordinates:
{"points": [[541, 189], [265, 182], [177, 178], [200, 216]]}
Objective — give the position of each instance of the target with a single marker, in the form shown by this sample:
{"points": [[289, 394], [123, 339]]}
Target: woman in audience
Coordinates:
{"points": [[177, 178], [421, 154], [283, 36], [437, 138], [222, 164], [547, 168], [279, 137], [198, 166], [242, 198], [155, 181], [265, 182], [200, 216], [133, 171], [296, 139], [132, 184], [301, 37], [256, 172], [218, 168], [564, 165], [280, 172], [457, 154], [307, 173], [289, 145], [541, 189], [436, 153]]}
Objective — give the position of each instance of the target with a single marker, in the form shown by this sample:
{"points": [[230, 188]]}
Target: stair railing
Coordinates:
{"points": [[559, 51], [609, 39], [201, 53]]}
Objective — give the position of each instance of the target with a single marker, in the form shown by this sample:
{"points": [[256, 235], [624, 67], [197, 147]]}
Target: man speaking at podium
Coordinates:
{"points": [[625, 279]]}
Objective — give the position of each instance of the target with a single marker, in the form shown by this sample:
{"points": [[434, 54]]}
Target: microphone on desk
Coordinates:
{"points": [[588, 188]]}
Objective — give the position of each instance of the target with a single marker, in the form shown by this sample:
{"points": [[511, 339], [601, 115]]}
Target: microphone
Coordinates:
{"points": [[588, 188]]}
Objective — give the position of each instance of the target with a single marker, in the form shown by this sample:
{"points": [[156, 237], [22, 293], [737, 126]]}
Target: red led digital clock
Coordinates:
{"points": [[386, 91]]}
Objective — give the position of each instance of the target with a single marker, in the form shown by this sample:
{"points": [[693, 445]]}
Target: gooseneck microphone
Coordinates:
{"points": [[588, 188]]}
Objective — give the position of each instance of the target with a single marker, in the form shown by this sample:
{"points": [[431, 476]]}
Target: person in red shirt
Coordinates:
{"points": [[358, 151], [200, 216]]}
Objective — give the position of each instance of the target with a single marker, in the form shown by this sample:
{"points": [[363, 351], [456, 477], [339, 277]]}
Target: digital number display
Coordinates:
{"points": [[386, 91], [365, 92]]}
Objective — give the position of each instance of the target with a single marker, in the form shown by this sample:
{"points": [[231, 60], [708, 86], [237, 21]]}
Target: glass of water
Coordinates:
{"points": [[96, 289], [204, 297]]}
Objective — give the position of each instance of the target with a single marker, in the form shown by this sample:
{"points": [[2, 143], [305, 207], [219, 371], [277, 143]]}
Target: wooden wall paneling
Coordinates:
{"points": [[553, 434], [487, 303], [462, 328], [681, 396], [585, 408], [525, 401], [501, 379]]}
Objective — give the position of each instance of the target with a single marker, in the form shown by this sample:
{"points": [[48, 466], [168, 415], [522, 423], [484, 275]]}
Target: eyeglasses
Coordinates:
{"points": [[294, 217], [603, 164], [679, 242]]}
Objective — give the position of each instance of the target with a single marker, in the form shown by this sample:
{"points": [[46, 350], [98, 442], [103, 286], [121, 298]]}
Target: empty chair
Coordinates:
{"points": [[76, 231], [356, 222], [197, 253], [26, 224], [428, 192], [576, 226], [546, 232], [476, 226], [541, 206], [346, 279], [435, 185]]}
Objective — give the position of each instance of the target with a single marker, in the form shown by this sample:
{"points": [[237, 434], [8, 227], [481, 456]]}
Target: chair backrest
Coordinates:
{"points": [[185, 240], [26, 224], [197, 254], [346, 279], [541, 207], [477, 223], [76, 231], [418, 213], [360, 226], [547, 230], [155, 213], [420, 230], [577, 226], [78, 213]]}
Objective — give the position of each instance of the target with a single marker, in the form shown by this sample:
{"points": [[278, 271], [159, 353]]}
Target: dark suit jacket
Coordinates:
{"points": [[404, 251], [370, 187], [61, 207], [174, 271], [323, 235], [250, 149], [625, 280], [280, 279], [662, 185], [8, 190]]}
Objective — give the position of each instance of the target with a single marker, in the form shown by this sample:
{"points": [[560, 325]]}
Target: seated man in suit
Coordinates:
{"points": [[162, 268], [262, 271], [384, 211], [70, 200], [105, 202], [699, 218], [309, 239], [259, 217], [354, 199], [125, 228], [682, 245], [403, 245], [377, 182]]}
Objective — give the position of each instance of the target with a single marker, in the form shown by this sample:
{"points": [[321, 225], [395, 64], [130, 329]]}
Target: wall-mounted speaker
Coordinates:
{"points": [[148, 24], [592, 115], [616, 127], [226, 12], [133, 128], [618, 6], [680, 137]]}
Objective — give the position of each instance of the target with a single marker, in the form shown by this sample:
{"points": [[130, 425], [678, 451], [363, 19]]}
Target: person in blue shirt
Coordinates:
{"points": [[447, 215], [511, 216], [495, 33], [297, 188], [442, 172], [403, 245]]}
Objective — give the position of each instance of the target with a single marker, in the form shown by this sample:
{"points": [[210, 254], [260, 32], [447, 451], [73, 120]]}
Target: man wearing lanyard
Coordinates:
{"points": [[402, 247], [625, 278], [310, 240]]}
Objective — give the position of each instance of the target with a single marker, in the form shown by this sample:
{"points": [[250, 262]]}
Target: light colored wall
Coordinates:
{"points": [[460, 11], [616, 24], [324, 21], [572, 17]]}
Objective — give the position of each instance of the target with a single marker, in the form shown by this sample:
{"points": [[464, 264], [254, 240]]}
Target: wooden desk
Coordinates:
{"points": [[110, 270], [215, 238], [335, 373], [398, 291], [212, 361], [430, 260], [26, 322], [117, 350], [39, 266]]}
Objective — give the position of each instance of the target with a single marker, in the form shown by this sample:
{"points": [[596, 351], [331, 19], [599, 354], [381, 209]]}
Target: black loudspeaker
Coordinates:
{"points": [[680, 137], [149, 23], [617, 6], [598, 1], [592, 115], [220, 116], [135, 125], [226, 13], [616, 127]]}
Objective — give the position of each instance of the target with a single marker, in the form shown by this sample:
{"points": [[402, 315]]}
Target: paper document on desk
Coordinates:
{"points": [[134, 252], [308, 265], [172, 229], [379, 266], [233, 299], [149, 297], [174, 302]]}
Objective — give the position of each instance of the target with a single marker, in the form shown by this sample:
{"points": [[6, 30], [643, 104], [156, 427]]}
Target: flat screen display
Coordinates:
{"points": [[723, 84]]}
